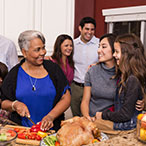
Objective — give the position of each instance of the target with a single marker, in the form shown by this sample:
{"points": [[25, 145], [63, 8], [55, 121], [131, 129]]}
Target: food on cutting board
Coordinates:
{"points": [[77, 131], [34, 133], [7, 135], [30, 136]]}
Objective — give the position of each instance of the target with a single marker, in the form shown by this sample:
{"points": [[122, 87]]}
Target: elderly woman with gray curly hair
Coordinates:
{"points": [[35, 87]]}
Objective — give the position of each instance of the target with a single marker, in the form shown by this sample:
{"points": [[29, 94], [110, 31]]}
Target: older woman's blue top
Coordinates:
{"points": [[40, 101]]}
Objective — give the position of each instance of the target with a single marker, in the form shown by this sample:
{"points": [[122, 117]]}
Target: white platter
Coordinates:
{"points": [[103, 137]]}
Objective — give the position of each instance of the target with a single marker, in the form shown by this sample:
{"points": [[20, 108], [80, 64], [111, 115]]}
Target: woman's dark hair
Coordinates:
{"points": [[3, 70], [111, 39], [133, 59], [87, 20], [57, 54]]}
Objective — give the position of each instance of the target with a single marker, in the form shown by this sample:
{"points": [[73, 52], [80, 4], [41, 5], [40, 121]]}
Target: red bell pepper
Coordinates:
{"points": [[36, 128]]}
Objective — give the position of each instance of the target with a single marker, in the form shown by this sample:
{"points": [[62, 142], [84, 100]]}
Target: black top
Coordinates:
{"points": [[56, 74], [128, 98]]}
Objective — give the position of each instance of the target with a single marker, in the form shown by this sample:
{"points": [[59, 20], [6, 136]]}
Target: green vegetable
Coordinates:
{"points": [[3, 137], [50, 140]]}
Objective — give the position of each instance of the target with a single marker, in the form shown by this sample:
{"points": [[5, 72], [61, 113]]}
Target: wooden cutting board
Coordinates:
{"points": [[26, 141]]}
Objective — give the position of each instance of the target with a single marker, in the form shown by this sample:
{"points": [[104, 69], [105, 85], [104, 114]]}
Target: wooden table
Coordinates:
{"points": [[125, 139], [128, 139], [23, 142]]}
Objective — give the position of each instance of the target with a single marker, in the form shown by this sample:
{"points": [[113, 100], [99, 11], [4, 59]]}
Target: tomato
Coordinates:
{"points": [[29, 137], [12, 132], [26, 136], [33, 137], [57, 143], [17, 129], [38, 137], [21, 131], [21, 136]]}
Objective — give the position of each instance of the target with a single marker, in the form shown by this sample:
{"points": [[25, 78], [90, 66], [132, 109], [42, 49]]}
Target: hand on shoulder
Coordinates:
{"points": [[48, 58]]}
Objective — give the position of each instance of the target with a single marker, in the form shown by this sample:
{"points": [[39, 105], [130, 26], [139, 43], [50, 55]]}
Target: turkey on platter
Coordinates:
{"points": [[77, 131]]}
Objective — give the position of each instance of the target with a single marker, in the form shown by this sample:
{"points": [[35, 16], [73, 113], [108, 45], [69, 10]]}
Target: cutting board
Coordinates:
{"points": [[26, 141]]}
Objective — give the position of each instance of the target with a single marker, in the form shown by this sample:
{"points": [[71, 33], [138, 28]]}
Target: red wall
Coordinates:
{"points": [[106, 4], [94, 8], [83, 8]]}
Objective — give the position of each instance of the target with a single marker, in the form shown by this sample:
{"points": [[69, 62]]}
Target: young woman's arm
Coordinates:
{"points": [[85, 102]]}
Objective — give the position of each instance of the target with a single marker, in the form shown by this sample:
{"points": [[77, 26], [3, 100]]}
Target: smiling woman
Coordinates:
{"points": [[105, 53], [44, 94], [63, 55], [36, 52], [99, 90]]}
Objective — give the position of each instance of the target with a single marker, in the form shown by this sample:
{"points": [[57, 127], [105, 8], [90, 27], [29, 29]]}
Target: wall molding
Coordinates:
{"points": [[42, 15]]}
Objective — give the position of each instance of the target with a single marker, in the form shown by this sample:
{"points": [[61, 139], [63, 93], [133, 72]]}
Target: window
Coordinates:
{"points": [[127, 20], [124, 27]]}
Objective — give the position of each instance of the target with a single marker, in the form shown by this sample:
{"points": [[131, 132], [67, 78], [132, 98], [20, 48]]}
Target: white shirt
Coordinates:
{"points": [[84, 55], [8, 52]]}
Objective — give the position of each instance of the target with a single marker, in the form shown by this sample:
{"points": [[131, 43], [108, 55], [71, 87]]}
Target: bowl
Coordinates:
{"points": [[141, 127], [7, 136]]}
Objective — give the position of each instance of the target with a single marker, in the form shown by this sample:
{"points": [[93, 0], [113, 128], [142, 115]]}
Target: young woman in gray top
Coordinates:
{"points": [[99, 90]]}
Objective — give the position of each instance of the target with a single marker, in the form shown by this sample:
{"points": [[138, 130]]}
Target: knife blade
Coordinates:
{"points": [[31, 120]]}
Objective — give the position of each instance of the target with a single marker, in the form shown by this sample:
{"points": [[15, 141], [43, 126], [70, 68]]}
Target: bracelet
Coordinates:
{"points": [[13, 105]]}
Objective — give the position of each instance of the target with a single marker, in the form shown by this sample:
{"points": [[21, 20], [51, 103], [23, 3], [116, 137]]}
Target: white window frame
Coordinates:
{"points": [[137, 13]]}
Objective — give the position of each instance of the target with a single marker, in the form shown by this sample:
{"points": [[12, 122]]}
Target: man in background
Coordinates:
{"points": [[85, 54], [8, 52]]}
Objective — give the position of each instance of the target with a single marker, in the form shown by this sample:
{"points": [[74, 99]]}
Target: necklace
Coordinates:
{"points": [[33, 84]]}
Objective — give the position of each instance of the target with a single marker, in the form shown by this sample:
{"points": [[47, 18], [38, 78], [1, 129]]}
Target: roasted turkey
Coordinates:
{"points": [[77, 131]]}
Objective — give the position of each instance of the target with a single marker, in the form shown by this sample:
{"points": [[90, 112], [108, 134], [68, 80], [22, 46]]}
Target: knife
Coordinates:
{"points": [[31, 120]]}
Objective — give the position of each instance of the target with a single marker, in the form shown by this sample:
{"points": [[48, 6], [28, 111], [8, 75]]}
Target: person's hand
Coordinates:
{"points": [[92, 119], [48, 57], [21, 109], [47, 122], [91, 66], [140, 105], [98, 115]]}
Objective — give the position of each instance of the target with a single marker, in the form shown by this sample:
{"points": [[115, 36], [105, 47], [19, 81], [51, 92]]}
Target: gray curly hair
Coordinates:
{"points": [[28, 35]]}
